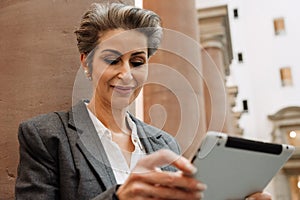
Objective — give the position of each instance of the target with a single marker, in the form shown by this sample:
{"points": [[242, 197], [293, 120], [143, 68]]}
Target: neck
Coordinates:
{"points": [[112, 118]]}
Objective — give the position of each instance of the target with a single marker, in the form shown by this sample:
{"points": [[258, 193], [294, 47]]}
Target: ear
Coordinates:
{"points": [[83, 62]]}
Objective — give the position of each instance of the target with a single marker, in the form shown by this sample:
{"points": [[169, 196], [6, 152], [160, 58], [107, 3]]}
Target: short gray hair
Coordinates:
{"points": [[102, 17]]}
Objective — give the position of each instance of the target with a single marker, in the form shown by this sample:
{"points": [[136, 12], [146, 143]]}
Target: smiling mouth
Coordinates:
{"points": [[123, 89]]}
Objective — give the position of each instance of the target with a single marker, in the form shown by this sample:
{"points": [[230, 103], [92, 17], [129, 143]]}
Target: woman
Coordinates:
{"points": [[98, 150]]}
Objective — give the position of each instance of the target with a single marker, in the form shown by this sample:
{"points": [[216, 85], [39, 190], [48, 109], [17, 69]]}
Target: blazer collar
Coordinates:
{"points": [[151, 138], [80, 120], [92, 148], [90, 144]]}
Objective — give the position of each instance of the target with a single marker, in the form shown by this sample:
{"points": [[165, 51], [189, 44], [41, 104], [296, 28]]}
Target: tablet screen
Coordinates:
{"points": [[234, 168]]}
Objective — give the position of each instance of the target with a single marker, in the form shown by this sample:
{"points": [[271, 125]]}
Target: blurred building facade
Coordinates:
{"points": [[265, 70]]}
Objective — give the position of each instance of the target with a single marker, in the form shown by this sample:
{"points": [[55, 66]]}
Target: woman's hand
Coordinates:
{"points": [[259, 196], [148, 182]]}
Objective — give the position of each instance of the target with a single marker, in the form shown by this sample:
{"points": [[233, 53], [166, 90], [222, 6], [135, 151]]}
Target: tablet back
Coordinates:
{"points": [[234, 167]]}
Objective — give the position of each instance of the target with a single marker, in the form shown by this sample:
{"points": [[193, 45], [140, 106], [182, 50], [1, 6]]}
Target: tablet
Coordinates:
{"points": [[233, 168]]}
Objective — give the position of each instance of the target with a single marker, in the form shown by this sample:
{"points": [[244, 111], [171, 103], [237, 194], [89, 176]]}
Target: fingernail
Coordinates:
{"points": [[250, 198], [192, 169], [190, 166], [200, 195], [201, 186]]}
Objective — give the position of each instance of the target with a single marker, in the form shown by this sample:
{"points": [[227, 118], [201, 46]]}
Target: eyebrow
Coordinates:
{"points": [[120, 54], [139, 52], [112, 51]]}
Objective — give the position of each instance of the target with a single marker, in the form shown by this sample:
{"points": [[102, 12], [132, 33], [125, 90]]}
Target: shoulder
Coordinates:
{"points": [[42, 134], [43, 119], [45, 123]]}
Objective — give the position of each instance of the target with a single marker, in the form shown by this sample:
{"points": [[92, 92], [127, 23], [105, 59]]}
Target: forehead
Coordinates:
{"points": [[123, 40]]}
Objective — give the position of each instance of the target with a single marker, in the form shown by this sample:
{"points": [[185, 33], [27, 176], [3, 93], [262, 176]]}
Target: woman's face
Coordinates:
{"points": [[120, 67]]}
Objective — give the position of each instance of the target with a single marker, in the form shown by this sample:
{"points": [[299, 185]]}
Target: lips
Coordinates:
{"points": [[123, 89]]}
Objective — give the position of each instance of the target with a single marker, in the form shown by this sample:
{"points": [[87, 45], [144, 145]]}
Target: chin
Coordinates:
{"points": [[121, 103]]}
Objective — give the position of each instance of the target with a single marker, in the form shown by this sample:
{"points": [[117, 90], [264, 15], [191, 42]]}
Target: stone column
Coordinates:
{"points": [[219, 99], [214, 89], [216, 57], [39, 61], [173, 99]]}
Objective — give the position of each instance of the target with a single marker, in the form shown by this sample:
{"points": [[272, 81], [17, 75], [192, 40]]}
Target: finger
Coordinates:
{"points": [[165, 157], [173, 179], [162, 192], [146, 198], [260, 196]]}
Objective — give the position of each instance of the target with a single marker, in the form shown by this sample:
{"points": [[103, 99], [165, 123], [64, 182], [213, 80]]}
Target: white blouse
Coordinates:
{"points": [[115, 156]]}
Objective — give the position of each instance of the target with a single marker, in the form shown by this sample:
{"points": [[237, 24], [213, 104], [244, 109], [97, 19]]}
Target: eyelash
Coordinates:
{"points": [[116, 61], [112, 61], [137, 64]]}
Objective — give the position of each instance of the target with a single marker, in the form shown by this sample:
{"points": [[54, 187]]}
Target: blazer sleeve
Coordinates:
{"points": [[37, 171]]}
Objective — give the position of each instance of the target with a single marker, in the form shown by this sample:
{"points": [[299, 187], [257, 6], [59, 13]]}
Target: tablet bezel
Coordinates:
{"points": [[218, 148]]}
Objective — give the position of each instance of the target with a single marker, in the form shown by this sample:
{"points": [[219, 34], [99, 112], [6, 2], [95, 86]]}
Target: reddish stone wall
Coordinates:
{"points": [[181, 103], [39, 60]]}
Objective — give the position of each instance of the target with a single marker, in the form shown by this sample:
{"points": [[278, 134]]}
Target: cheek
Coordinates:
{"points": [[141, 76], [99, 71], [98, 78], [100, 68], [101, 74], [135, 94]]}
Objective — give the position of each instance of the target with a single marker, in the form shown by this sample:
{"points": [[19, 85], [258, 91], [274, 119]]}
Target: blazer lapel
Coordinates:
{"points": [[150, 138], [90, 144]]}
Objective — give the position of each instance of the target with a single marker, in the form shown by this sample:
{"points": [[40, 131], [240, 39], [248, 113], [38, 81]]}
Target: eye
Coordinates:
{"points": [[112, 61], [136, 62]]}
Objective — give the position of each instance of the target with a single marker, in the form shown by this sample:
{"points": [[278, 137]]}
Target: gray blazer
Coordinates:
{"points": [[62, 157]]}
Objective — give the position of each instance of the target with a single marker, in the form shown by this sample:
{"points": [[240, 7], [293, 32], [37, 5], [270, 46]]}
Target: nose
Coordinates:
{"points": [[125, 72]]}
